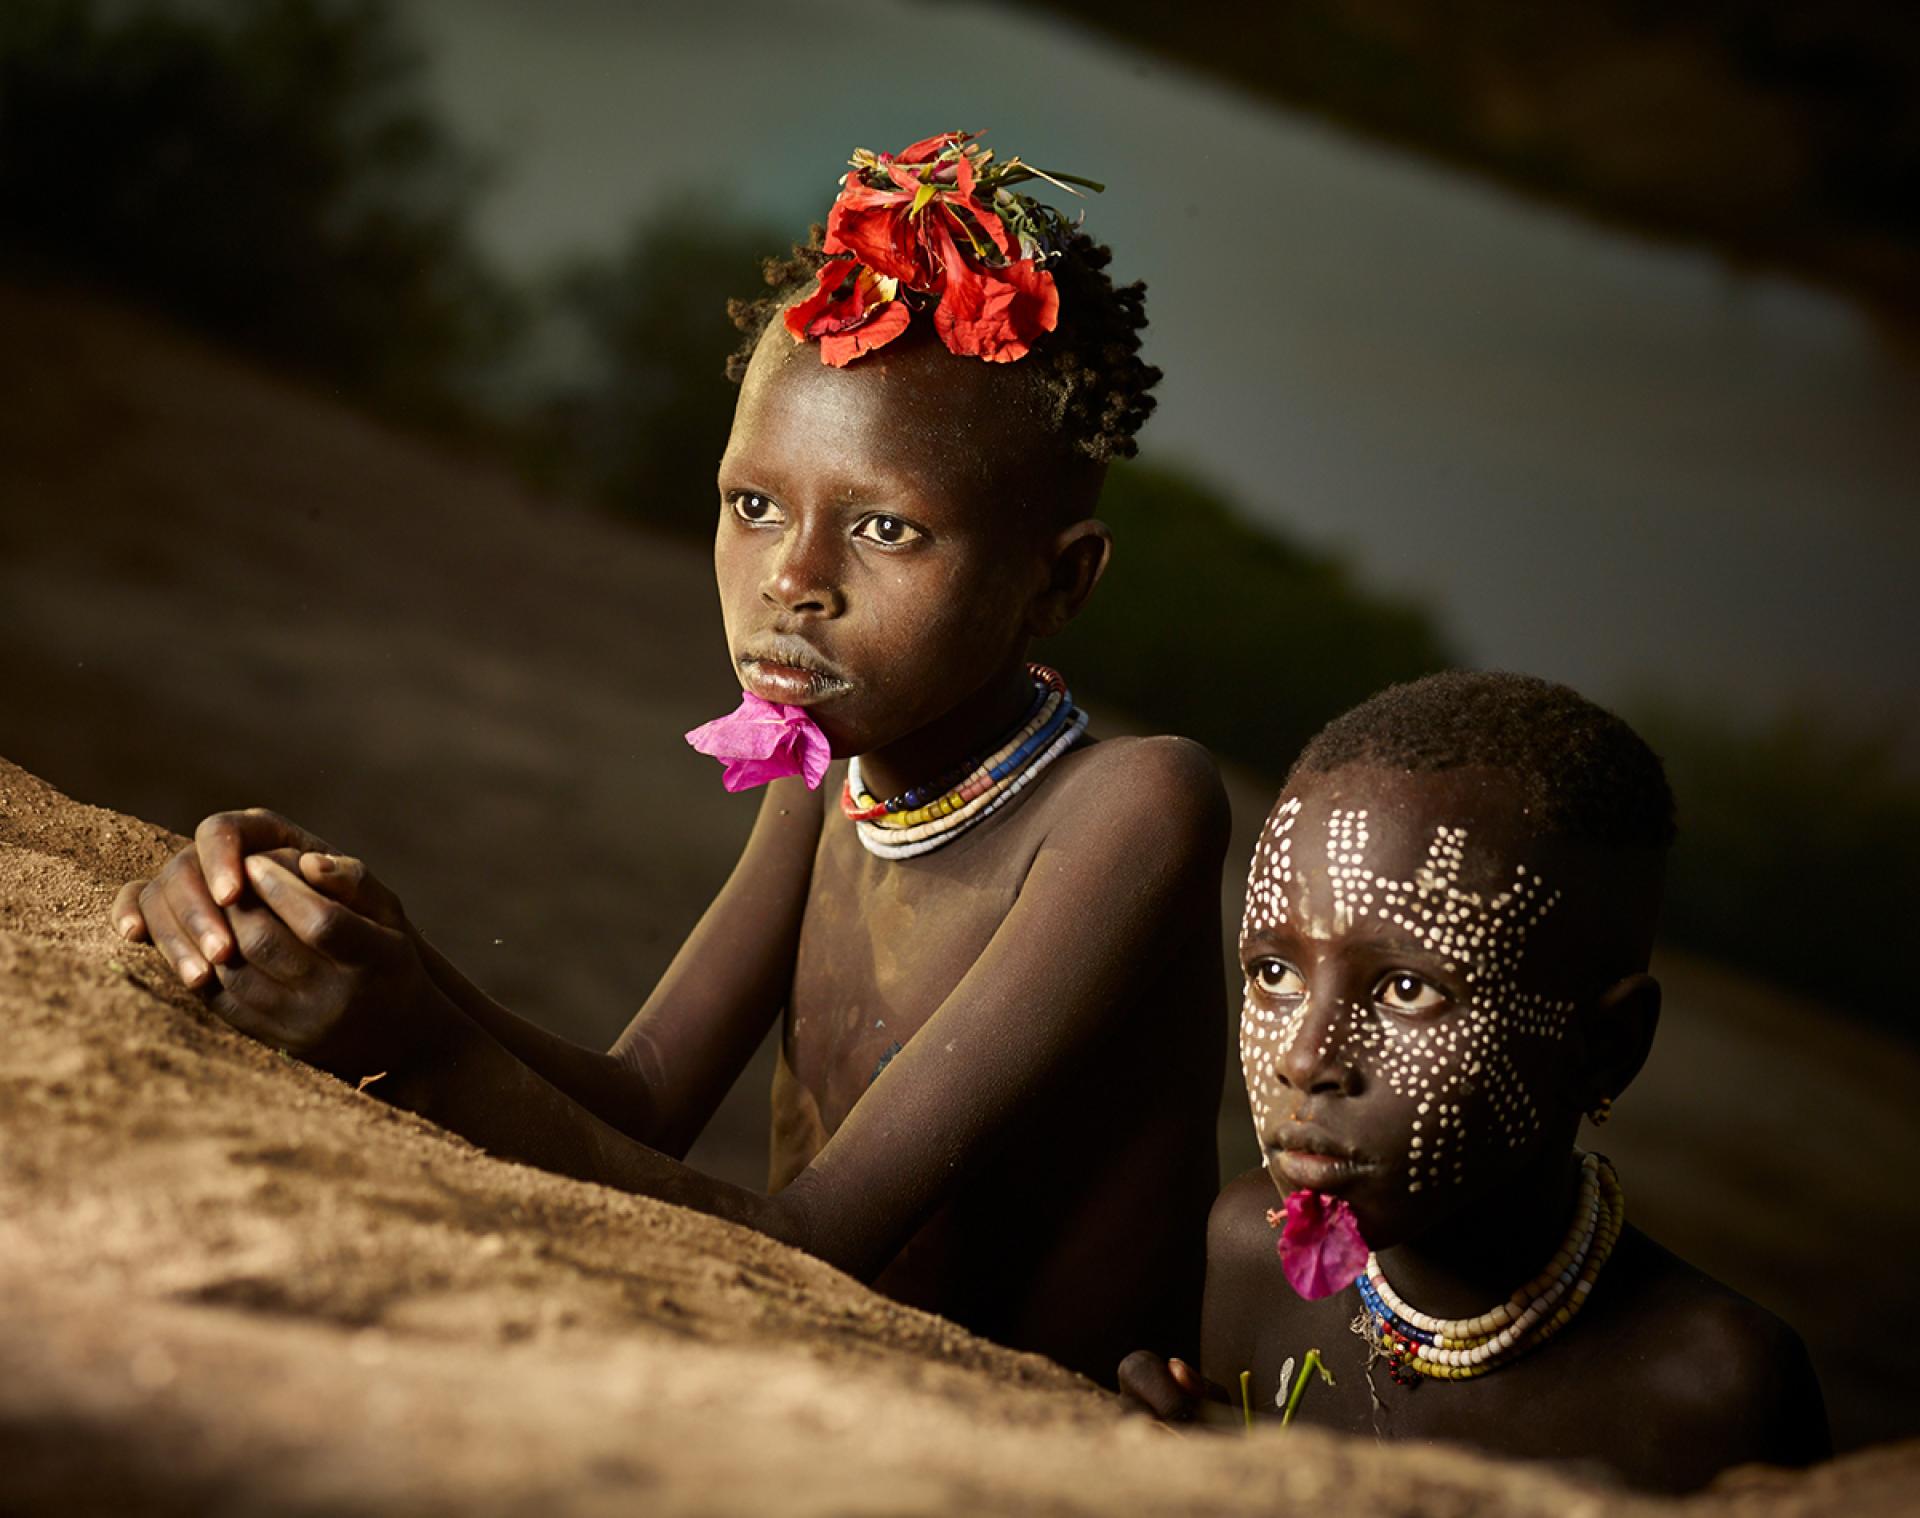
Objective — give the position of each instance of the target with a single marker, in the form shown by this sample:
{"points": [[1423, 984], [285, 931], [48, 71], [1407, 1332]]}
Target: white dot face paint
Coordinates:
{"points": [[1398, 974]]}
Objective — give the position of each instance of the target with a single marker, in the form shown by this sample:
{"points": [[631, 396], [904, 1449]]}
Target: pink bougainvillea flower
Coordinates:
{"points": [[1320, 1246], [764, 740], [852, 311]]}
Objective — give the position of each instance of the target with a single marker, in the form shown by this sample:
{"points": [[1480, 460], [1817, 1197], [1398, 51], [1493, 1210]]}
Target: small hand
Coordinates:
{"points": [[1172, 1390], [182, 908], [326, 966]]}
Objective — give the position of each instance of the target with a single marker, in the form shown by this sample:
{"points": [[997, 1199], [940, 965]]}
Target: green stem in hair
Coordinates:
{"points": [[1246, 1398]]}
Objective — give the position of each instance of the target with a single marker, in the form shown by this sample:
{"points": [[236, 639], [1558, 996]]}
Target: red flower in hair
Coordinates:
{"points": [[887, 227], [994, 313], [931, 147], [936, 220], [851, 312]]}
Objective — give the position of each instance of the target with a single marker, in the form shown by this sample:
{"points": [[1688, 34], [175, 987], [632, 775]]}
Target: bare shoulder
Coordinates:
{"points": [[785, 833], [1242, 1310], [1729, 1381], [1237, 1227], [1161, 794], [788, 803]]}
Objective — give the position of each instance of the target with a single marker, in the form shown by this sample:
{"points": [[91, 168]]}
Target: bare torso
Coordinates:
{"points": [[1083, 1230]]}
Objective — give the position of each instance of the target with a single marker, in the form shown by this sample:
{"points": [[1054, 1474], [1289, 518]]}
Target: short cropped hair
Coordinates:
{"points": [[1585, 773], [1089, 371]]}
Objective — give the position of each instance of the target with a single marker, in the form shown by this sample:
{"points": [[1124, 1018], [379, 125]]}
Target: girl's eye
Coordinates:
{"points": [[755, 510], [1275, 977], [1403, 991], [890, 531]]}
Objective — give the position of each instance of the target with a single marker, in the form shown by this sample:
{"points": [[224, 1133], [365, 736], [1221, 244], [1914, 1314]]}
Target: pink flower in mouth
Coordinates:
{"points": [[1320, 1245], [764, 740]]}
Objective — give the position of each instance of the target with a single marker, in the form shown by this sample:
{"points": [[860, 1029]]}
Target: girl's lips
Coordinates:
{"points": [[1306, 1170], [788, 684]]}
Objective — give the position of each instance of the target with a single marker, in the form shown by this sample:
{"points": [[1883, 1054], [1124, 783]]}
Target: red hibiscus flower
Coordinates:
{"points": [[993, 313], [937, 225], [931, 147], [851, 311], [887, 227]]}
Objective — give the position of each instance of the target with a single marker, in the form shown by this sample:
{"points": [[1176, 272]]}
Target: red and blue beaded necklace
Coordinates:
{"points": [[924, 818]]}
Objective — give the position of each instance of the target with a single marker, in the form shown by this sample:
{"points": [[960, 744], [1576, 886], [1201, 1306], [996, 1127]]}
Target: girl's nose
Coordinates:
{"points": [[804, 577], [1317, 1062]]}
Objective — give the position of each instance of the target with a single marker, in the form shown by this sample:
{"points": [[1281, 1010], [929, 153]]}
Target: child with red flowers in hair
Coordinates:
{"points": [[1446, 941], [990, 941]]}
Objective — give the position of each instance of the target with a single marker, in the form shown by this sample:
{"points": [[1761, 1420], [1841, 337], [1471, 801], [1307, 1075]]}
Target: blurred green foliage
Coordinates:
{"points": [[641, 417], [1209, 626], [265, 170]]}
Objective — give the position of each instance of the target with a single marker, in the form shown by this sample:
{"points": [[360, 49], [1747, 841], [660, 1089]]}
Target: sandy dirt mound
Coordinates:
{"points": [[229, 1283]]}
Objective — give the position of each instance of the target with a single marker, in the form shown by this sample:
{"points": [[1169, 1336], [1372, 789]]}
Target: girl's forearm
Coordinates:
{"points": [[476, 1087], [612, 1090]]}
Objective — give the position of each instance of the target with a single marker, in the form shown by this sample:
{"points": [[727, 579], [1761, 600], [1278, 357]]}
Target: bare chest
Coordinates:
{"points": [[882, 945], [1540, 1407]]}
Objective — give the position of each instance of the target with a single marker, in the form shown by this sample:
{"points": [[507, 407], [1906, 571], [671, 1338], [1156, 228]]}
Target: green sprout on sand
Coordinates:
{"points": [[1311, 1365], [1313, 1362]]}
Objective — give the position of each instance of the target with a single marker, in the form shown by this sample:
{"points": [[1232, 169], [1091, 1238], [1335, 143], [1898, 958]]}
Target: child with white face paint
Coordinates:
{"points": [[1448, 924]]}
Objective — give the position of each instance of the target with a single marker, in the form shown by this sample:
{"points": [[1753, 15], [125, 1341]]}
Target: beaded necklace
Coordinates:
{"points": [[924, 818], [1457, 1349]]}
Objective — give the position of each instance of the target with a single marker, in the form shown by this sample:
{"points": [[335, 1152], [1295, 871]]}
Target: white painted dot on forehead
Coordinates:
{"points": [[1270, 875]]}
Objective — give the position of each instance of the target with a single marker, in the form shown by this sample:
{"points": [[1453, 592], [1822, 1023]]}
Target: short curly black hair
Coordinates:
{"points": [[1088, 368], [1586, 774]]}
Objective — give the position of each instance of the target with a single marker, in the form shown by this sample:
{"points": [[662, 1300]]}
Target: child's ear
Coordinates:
{"points": [[1620, 1029], [1077, 558]]}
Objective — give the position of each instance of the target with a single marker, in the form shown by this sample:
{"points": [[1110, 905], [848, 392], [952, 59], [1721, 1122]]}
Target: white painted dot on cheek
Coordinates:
{"points": [[1484, 941], [1265, 1034]]}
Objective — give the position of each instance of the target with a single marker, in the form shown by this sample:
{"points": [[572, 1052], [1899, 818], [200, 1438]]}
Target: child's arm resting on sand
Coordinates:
{"points": [[194, 912], [1117, 882]]}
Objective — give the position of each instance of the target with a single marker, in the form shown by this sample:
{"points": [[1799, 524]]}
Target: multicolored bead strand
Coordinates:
{"points": [[1457, 1349], [910, 824]]}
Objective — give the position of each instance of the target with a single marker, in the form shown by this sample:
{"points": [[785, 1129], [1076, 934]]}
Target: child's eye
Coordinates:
{"points": [[1403, 991], [755, 510], [890, 531], [1275, 977]]}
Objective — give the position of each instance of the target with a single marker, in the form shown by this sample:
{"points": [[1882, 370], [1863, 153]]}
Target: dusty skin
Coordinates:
{"points": [[230, 1282]]}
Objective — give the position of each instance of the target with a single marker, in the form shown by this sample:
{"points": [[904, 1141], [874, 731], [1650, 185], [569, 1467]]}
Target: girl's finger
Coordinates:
{"points": [[326, 926], [224, 838], [1197, 1385], [269, 946], [1149, 1380], [128, 920], [346, 880], [171, 940]]}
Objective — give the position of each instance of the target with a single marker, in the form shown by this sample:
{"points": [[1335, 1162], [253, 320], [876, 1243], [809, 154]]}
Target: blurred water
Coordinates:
{"points": [[1616, 463]]}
